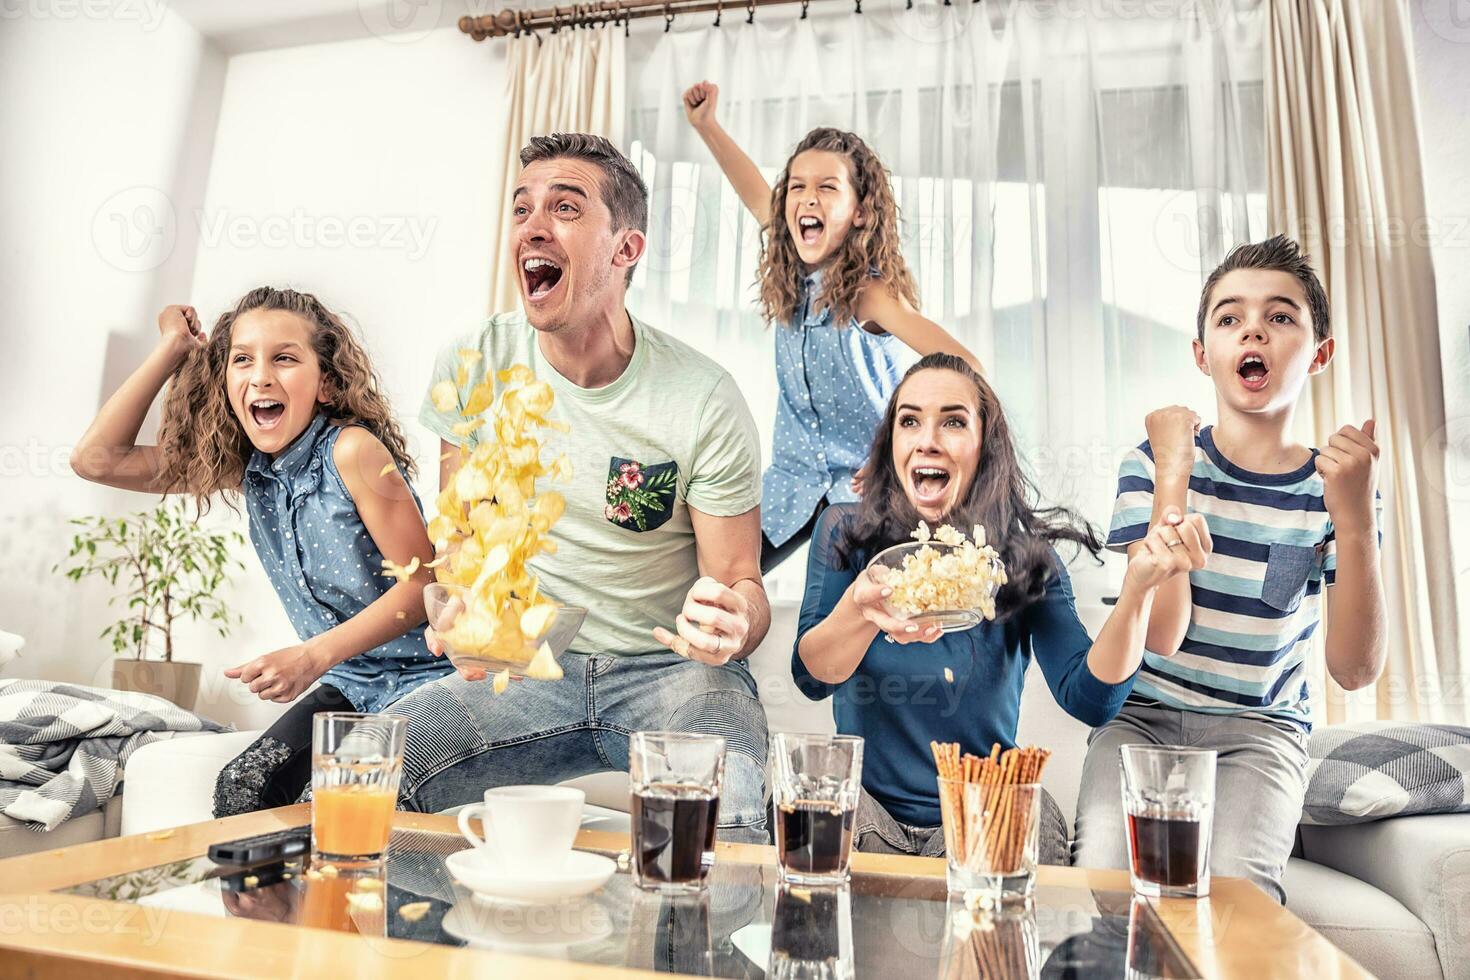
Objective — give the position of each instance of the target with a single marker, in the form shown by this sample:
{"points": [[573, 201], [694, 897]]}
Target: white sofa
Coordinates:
{"points": [[1394, 895]]}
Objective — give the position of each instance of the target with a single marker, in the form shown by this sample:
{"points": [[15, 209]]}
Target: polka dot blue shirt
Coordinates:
{"points": [[835, 380], [325, 566]]}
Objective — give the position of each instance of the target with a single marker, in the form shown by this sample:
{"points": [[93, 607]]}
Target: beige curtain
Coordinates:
{"points": [[1345, 179], [568, 82]]}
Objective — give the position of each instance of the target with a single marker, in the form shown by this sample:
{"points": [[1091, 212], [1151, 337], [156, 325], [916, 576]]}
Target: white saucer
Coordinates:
{"points": [[532, 929], [582, 874]]}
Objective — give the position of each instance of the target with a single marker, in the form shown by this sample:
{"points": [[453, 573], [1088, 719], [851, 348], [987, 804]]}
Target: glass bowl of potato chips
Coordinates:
{"points": [[510, 647], [942, 578]]}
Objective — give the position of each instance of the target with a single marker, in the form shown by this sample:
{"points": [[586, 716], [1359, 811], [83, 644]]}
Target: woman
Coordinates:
{"points": [[943, 454]]}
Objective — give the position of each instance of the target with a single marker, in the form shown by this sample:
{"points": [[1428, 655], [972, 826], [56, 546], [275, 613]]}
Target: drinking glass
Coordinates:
{"points": [[1169, 805], [817, 782], [991, 837], [356, 763], [675, 807], [992, 944], [811, 933]]}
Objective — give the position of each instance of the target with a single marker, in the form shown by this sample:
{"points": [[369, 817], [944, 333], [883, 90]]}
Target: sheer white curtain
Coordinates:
{"points": [[1066, 174]]}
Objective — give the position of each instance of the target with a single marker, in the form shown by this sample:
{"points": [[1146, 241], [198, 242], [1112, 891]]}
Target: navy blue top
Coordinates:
{"points": [[835, 380], [899, 700], [325, 566]]}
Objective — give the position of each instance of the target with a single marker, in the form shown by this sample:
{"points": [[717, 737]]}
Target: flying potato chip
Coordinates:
{"points": [[388, 468], [543, 666], [465, 428], [445, 396], [401, 572], [492, 522], [481, 398], [537, 620], [502, 681]]}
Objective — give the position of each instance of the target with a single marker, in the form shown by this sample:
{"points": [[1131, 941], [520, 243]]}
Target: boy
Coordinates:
{"points": [[1224, 666]]}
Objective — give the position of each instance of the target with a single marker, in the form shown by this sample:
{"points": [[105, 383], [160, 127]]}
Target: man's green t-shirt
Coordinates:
{"points": [[672, 432]]}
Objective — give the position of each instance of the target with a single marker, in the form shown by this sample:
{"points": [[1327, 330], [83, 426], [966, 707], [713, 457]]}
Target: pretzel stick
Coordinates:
{"points": [[997, 815], [941, 763]]}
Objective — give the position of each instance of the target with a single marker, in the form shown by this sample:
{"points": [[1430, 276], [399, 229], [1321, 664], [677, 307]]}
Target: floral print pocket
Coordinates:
{"points": [[639, 497]]}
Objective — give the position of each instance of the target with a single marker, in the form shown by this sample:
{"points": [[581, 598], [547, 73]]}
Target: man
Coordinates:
{"points": [[669, 573]]}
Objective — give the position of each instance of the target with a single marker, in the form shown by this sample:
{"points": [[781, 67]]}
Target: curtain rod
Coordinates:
{"points": [[514, 23]]}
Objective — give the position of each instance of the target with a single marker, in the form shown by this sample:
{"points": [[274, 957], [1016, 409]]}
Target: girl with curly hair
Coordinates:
{"points": [[832, 276], [280, 405]]}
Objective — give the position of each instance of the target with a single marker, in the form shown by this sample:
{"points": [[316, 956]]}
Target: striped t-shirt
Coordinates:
{"points": [[1257, 601]]}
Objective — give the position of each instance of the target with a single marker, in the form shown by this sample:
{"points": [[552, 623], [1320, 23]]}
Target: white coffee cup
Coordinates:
{"points": [[528, 829]]}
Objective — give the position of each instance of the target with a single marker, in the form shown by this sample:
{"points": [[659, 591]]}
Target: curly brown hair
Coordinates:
{"points": [[873, 246], [202, 447]]}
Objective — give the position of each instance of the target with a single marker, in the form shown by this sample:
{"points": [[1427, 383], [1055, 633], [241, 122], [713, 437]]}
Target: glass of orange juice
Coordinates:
{"points": [[356, 762]]}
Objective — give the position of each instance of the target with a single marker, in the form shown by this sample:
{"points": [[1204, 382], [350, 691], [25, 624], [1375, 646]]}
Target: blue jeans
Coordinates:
{"points": [[464, 739]]}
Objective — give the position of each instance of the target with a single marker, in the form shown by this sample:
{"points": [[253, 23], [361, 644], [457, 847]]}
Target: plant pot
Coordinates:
{"points": [[169, 679]]}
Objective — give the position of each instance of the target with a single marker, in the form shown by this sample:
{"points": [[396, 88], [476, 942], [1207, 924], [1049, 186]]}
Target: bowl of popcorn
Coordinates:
{"points": [[942, 578], [524, 640]]}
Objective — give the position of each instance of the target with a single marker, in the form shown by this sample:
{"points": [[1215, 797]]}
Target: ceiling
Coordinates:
{"points": [[252, 25]]}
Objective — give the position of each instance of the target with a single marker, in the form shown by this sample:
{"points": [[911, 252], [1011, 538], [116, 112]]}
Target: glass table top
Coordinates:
{"points": [[745, 924]]}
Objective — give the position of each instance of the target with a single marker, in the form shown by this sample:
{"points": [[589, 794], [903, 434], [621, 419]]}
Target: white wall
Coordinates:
{"points": [[361, 171], [109, 116]]}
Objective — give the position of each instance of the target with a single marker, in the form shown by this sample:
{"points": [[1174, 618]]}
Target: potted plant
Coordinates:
{"points": [[171, 569]]}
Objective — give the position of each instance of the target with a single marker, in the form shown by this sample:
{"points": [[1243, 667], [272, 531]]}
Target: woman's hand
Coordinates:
{"points": [[281, 676], [699, 103], [179, 330], [869, 593], [1180, 543]]}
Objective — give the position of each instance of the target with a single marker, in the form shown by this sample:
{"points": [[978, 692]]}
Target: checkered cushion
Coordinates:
{"points": [[1373, 770]]}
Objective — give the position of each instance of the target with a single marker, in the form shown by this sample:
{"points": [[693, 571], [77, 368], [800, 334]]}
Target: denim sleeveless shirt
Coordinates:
{"points": [[325, 567], [835, 380]]}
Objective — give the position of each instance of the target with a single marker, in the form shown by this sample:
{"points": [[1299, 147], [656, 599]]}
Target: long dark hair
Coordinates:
{"points": [[1000, 497]]}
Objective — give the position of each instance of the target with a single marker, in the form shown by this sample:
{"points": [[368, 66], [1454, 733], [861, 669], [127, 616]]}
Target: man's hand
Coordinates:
{"points": [[699, 103], [714, 625], [283, 675], [1178, 544], [1349, 468], [860, 478], [1171, 433], [869, 592], [446, 619]]}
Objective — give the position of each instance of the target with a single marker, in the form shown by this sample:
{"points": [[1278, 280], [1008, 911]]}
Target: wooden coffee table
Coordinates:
{"points": [[150, 905]]}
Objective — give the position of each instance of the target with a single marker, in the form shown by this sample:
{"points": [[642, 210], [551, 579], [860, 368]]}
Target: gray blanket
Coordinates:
{"points": [[63, 746]]}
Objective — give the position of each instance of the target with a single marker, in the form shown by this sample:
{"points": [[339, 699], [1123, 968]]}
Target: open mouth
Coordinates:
{"points": [[541, 275], [930, 483], [1253, 371], [810, 229], [267, 412]]}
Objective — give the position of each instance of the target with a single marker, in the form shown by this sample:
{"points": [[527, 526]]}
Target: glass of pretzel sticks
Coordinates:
{"points": [[991, 810], [990, 944]]}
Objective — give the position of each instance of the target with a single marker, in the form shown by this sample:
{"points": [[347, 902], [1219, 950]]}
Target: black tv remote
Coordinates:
{"points": [[274, 846]]}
